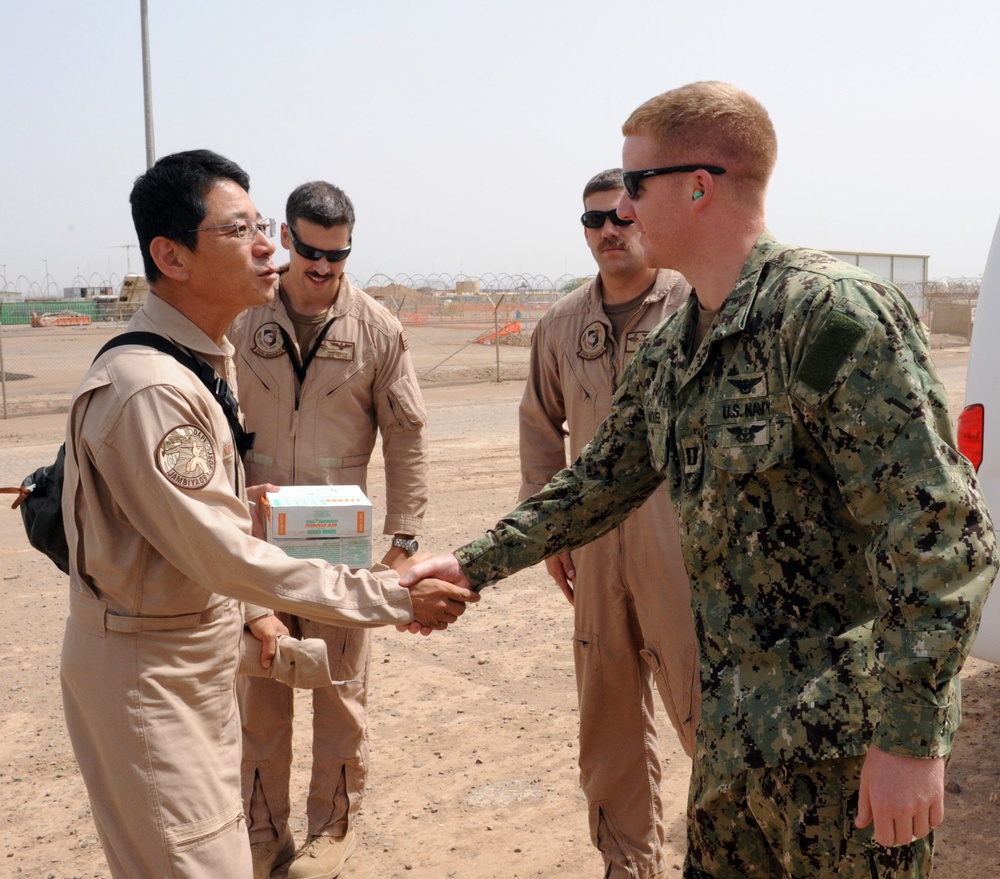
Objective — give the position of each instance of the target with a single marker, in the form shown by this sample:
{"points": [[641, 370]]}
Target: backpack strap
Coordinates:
{"points": [[215, 384]]}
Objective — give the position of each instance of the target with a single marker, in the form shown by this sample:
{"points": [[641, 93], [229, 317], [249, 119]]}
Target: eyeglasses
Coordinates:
{"points": [[244, 228], [314, 253], [596, 219], [632, 179]]}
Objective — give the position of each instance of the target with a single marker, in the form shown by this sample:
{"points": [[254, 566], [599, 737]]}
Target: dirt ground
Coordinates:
{"points": [[472, 731]]}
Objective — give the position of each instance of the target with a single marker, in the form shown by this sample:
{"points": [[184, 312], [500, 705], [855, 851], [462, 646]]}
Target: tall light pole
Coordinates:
{"points": [[147, 86]]}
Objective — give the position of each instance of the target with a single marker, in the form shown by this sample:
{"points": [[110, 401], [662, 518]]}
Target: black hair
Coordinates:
{"points": [[169, 199]]}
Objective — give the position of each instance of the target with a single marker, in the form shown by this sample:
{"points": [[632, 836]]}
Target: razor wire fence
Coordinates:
{"points": [[460, 330]]}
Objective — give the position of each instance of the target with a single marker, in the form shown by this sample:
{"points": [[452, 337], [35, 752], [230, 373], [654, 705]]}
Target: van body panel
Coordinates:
{"points": [[982, 387]]}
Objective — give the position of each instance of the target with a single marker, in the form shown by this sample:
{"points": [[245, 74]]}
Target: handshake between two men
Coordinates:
{"points": [[439, 590]]}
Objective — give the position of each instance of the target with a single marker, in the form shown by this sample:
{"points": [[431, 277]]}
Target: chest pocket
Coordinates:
{"points": [[334, 374]]}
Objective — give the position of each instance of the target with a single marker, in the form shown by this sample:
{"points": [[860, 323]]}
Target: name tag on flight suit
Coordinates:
{"points": [[336, 350]]}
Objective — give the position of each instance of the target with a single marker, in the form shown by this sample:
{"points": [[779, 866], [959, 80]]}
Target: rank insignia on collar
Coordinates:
{"points": [[186, 457], [594, 341], [336, 349], [267, 341]]}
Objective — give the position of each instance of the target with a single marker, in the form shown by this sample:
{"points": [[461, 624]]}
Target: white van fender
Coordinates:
{"points": [[982, 388]]}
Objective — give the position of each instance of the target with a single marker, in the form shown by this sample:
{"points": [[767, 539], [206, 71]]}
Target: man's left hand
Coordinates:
{"points": [[267, 630], [903, 795]]}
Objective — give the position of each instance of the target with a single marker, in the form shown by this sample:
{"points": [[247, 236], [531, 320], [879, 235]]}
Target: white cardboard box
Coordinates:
{"points": [[312, 512], [356, 552]]}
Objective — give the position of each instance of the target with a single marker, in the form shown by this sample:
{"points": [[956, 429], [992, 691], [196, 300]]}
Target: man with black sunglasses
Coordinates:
{"points": [[322, 369], [838, 545], [629, 591]]}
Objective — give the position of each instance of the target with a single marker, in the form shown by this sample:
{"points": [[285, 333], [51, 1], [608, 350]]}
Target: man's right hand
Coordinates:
{"points": [[562, 570], [439, 589], [255, 495]]}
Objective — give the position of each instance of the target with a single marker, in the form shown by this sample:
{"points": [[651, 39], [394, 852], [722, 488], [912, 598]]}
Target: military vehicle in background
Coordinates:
{"points": [[979, 426], [131, 295]]}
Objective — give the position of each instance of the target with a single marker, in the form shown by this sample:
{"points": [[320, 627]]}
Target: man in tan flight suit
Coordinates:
{"points": [[629, 589], [161, 552], [322, 368]]}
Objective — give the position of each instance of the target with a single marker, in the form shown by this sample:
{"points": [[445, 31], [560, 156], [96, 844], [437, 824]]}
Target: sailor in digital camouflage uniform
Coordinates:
{"points": [[838, 546]]}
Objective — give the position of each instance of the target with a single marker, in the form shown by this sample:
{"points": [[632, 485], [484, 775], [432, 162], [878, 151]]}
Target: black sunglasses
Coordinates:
{"points": [[596, 219], [632, 179], [314, 253]]}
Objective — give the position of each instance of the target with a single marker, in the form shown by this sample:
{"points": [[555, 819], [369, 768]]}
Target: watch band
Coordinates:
{"points": [[409, 544]]}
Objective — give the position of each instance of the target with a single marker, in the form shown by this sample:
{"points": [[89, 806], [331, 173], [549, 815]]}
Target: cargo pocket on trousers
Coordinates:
{"points": [[676, 691], [210, 842], [587, 649]]}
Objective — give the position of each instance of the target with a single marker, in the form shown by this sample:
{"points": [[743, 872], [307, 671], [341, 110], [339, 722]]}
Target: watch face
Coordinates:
{"points": [[409, 544]]}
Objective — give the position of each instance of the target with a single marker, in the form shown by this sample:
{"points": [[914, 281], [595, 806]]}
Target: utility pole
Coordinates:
{"points": [[147, 86], [128, 250]]}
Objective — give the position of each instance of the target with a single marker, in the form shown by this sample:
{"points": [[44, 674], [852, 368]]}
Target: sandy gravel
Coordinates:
{"points": [[473, 731]]}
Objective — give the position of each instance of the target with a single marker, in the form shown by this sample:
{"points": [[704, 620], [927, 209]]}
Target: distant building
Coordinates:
{"points": [[906, 270]]}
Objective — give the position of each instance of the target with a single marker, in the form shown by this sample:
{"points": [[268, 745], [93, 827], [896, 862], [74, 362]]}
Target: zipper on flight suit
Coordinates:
{"points": [[619, 364], [301, 370]]}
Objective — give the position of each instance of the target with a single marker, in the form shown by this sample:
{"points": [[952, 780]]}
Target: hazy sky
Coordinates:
{"points": [[465, 131]]}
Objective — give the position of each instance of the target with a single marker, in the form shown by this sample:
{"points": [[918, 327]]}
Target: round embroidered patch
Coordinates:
{"points": [[185, 456], [594, 341], [267, 341]]}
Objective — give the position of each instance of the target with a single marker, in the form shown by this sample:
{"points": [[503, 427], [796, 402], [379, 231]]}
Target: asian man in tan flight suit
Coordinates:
{"points": [[323, 369], [629, 589], [161, 552]]}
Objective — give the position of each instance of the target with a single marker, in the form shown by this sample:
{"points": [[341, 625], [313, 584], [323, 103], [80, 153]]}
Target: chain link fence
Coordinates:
{"points": [[461, 329]]}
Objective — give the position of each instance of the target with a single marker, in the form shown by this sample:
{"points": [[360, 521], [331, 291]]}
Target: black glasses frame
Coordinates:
{"points": [[596, 219], [632, 179], [313, 254]]}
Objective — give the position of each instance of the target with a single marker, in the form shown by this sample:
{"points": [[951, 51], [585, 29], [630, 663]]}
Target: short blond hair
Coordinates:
{"points": [[715, 123]]}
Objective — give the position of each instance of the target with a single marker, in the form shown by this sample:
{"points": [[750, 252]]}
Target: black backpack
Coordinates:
{"points": [[40, 496]]}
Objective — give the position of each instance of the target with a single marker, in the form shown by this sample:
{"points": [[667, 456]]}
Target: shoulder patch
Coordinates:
{"points": [[185, 456], [832, 345]]}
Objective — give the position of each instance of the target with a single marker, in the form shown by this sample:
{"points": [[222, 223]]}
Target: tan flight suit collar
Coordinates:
{"points": [[168, 321], [342, 303], [667, 283]]}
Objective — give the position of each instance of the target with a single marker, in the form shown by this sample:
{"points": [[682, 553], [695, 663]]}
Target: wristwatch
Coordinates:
{"points": [[408, 544]]}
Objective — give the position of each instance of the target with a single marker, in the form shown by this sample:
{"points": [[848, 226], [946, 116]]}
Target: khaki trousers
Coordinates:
{"points": [[153, 721], [633, 627], [340, 739]]}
